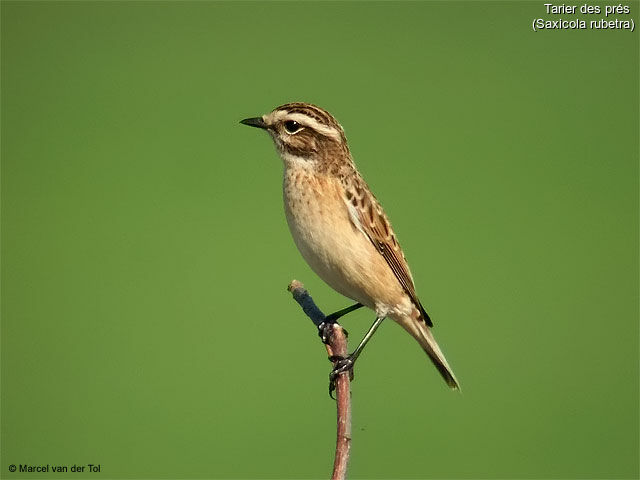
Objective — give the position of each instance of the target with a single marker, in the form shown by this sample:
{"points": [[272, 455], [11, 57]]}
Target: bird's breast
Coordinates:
{"points": [[318, 221], [333, 247]]}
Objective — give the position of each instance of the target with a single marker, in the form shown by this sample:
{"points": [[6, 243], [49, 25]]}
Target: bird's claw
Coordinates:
{"points": [[325, 330], [340, 365]]}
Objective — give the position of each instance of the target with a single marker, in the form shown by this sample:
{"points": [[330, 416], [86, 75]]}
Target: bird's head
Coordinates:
{"points": [[304, 132]]}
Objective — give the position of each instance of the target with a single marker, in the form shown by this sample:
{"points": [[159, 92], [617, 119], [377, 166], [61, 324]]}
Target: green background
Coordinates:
{"points": [[146, 325]]}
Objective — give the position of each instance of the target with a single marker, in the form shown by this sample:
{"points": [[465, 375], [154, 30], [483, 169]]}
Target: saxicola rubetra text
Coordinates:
{"points": [[340, 228]]}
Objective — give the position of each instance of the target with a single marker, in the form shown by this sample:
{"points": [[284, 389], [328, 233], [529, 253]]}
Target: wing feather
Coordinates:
{"points": [[368, 216]]}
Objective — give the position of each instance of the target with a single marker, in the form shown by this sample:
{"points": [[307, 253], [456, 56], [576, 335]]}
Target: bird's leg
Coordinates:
{"points": [[324, 329], [343, 364], [336, 315]]}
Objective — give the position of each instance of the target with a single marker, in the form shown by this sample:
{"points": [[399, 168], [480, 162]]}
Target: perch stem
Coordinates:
{"points": [[336, 347]]}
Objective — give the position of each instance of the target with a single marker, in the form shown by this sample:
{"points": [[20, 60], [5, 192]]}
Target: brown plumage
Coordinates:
{"points": [[339, 226]]}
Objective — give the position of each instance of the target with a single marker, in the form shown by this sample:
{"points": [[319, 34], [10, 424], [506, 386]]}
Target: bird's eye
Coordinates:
{"points": [[292, 126]]}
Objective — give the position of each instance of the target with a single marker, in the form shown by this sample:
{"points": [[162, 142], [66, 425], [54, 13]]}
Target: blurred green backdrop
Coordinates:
{"points": [[145, 256]]}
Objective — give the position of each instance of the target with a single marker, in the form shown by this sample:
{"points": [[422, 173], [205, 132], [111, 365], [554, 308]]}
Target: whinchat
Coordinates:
{"points": [[340, 227]]}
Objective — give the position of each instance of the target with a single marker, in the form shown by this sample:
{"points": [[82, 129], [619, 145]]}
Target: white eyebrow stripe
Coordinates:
{"points": [[307, 121]]}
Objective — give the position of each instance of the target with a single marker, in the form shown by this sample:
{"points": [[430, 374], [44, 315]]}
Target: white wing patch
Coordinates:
{"points": [[353, 215]]}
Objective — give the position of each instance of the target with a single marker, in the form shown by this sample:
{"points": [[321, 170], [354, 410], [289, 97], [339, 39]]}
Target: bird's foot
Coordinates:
{"points": [[340, 365], [325, 331]]}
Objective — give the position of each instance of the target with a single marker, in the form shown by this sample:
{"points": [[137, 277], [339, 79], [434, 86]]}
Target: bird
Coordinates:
{"points": [[340, 228]]}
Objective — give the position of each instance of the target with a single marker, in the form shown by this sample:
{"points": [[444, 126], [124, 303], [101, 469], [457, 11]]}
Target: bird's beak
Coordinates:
{"points": [[257, 122]]}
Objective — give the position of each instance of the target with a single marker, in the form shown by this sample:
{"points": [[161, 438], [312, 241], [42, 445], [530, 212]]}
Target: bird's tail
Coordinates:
{"points": [[422, 333]]}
